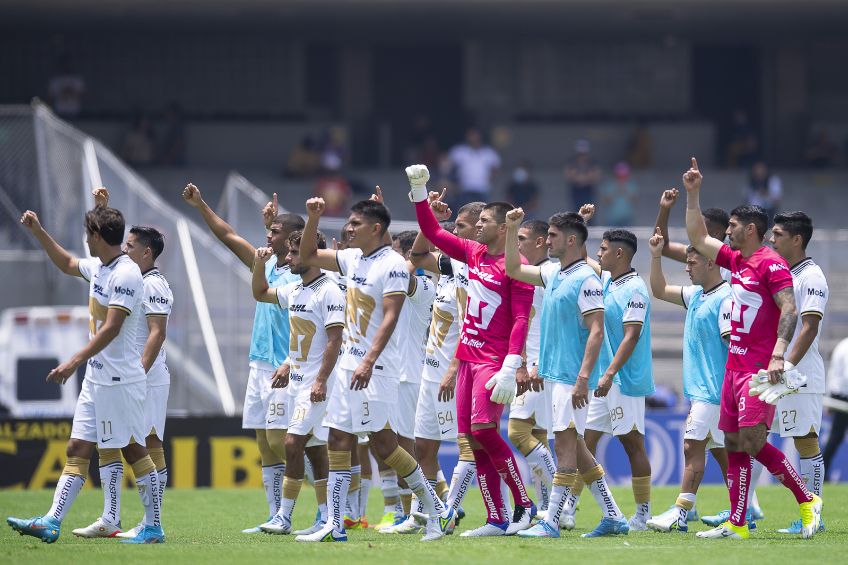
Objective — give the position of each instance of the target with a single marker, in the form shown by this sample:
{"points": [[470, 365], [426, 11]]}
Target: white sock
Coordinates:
{"points": [[148, 490], [322, 509], [812, 473], [463, 473], [364, 489], [506, 496], [559, 496], [603, 496], [272, 480], [570, 503], [756, 472], [643, 510], [163, 481], [286, 509], [353, 497], [111, 481], [688, 497], [389, 486], [67, 489], [338, 484], [541, 462], [425, 492]]}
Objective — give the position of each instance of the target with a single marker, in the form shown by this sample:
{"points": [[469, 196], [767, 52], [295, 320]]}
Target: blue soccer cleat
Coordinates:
{"points": [[45, 528], [724, 516], [692, 515], [795, 527], [539, 530], [609, 527], [149, 534]]}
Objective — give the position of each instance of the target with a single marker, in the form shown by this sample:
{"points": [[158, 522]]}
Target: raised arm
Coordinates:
{"points": [[695, 226], [309, 252], [259, 284], [671, 249], [420, 255], [240, 247], [659, 287], [530, 274], [450, 244], [60, 257]]}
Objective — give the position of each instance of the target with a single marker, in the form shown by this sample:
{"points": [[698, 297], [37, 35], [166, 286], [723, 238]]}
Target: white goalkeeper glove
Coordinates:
{"points": [[418, 176], [790, 383], [502, 383]]}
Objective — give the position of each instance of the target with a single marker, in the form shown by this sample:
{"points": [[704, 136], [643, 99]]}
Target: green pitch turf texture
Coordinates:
{"points": [[204, 526]]}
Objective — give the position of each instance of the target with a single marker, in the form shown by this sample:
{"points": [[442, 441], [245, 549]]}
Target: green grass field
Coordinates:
{"points": [[204, 525]]}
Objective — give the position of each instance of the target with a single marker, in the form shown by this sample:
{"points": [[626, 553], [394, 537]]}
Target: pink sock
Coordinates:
{"points": [[490, 487], [775, 461], [738, 482], [503, 460]]}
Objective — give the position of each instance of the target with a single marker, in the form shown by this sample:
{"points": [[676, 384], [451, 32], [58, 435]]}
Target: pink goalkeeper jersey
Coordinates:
{"points": [[755, 314], [498, 307]]}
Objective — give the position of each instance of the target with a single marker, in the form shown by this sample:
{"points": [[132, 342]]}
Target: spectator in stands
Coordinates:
{"points": [[140, 142], [334, 188], [837, 377], [618, 197], [334, 150], [821, 152], [640, 148], [65, 89], [764, 189], [582, 175], [476, 166], [523, 192], [304, 160], [172, 152], [743, 144]]}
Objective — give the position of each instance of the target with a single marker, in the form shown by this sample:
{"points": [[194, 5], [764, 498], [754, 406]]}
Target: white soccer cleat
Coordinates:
{"points": [[408, 526], [668, 521], [486, 530], [566, 521], [318, 525], [725, 530], [434, 530], [276, 525], [326, 534], [638, 524], [99, 529], [811, 517], [131, 533], [522, 519]]}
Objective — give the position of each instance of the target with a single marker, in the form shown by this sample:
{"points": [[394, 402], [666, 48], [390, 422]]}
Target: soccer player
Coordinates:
{"points": [[762, 325], [264, 406], [618, 404], [367, 389], [799, 415], [529, 414], [705, 334], [316, 317], [572, 334], [490, 352], [437, 262], [410, 336], [110, 408]]}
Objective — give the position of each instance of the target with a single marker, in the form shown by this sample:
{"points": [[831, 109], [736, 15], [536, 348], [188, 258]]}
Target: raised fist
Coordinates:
{"points": [[101, 197], [315, 207], [656, 243], [514, 217], [418, 175], [30, 220], [191, 194]]}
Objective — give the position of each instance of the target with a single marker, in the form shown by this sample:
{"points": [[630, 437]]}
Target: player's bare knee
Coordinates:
{"points": [[153, 441], [80, 448], [133, 452]]}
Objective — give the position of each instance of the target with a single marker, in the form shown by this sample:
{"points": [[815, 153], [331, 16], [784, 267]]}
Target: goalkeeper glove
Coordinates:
{"points": [[502, 383], [790, 383], [418, 176]]}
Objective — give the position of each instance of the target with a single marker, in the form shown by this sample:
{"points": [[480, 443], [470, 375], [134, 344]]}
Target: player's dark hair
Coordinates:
{"points": [[718, 217], [691, 249], [374, 212], [448, 226], [108, 222], [289, 222], [751, 214], [149, 237], [796, 223], [405, 240], [499, 209], [295, 237], [473, 209], [570, 222], [343, 235], [538, 228], [624, 237]]}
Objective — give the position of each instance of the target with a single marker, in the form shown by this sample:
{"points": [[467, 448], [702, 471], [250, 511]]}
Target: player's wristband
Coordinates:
{"points": [[418, 192]]}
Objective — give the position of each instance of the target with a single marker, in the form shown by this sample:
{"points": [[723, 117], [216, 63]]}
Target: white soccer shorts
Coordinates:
{"points": [[364, 411], [305, 416], [702, 423], [405, 409], [156, 410], [535, 405], [563, 414], [616, 413], [110, 416], [257, 398], [434, 420], [798, 414]]}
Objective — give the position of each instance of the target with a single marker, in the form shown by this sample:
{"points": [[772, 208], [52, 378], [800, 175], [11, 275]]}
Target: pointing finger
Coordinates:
{"points": [[694, 163], [275, 202]]}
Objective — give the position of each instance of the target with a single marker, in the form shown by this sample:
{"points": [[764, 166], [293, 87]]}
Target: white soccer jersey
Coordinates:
{"points": [[811, 293], [158, 301], [312, 309], [460, 273], [411, 331], [444, 331], [369, 278], [534, 332], [116, 285]]}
